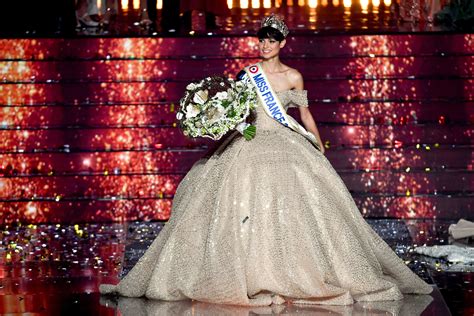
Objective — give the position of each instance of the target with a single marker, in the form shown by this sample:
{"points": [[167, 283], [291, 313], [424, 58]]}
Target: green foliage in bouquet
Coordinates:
{"points": [[458, 14], [216, 105], [249, 132]]}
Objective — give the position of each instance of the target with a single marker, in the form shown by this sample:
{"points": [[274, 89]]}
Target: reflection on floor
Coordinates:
{"points": [[411, 305], [56, 269]]}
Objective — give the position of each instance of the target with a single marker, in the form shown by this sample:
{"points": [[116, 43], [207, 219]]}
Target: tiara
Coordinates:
{"points": [[277, 23]]}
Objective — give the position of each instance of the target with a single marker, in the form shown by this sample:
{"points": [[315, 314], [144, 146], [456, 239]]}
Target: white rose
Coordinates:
{"points": [[216, 114], [221, 95], [200, 97], [191, 87], [179, 115], [221, 109], [192, 111]]}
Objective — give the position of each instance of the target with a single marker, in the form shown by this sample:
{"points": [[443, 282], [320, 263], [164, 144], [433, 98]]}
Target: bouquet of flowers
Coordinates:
{"points": [[216, 105]]}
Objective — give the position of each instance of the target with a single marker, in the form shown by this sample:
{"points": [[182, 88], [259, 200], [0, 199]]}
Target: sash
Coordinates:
{"points": [[272, 104]]}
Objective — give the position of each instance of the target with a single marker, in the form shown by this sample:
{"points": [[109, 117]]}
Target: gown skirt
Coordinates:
{"points": [[266, 221]]}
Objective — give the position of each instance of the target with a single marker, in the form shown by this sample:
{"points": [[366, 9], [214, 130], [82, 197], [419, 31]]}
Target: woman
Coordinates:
{"points": [[269, 220]]}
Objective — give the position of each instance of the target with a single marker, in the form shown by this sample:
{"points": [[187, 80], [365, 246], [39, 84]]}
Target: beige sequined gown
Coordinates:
{"points": [[267, 221]]}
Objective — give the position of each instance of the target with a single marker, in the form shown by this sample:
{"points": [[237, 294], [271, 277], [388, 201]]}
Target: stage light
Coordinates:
{"points": [[136, 4], [31, 210], [124, 5], [244, 4], [313, 4], [255, 4], [364, 4], [267, 4]]}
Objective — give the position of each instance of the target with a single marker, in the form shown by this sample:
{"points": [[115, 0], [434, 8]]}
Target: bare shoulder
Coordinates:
{"points": [[295, 78]]}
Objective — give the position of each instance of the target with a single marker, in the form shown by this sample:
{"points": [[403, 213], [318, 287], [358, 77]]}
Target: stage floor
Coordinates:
{"points": [[56, 269]]}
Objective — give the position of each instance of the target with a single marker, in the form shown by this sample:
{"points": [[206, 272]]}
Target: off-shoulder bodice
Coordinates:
{"points": [[288, 98], [293, 98]]}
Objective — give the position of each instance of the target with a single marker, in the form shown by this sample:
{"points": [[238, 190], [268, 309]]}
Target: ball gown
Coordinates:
{"points": [[265, 221]]}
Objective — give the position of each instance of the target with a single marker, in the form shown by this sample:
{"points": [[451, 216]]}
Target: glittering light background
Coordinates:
{"points": [[88, 125]]}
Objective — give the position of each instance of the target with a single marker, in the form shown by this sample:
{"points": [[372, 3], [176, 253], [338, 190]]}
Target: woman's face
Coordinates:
{"points": [[270, 47]]}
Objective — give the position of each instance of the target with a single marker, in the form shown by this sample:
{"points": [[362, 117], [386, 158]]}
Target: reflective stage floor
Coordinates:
{"points": [[56, 269]]}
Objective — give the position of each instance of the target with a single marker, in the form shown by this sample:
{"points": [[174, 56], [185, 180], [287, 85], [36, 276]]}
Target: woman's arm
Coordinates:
{"points": [[310, 125], [305, 113]]}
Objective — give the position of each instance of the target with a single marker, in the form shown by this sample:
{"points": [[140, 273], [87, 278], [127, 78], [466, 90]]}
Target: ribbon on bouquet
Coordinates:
{"points": [[272, 104]]}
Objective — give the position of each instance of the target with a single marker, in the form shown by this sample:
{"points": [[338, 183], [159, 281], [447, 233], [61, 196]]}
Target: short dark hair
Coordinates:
{"points": [[271, 33]]}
